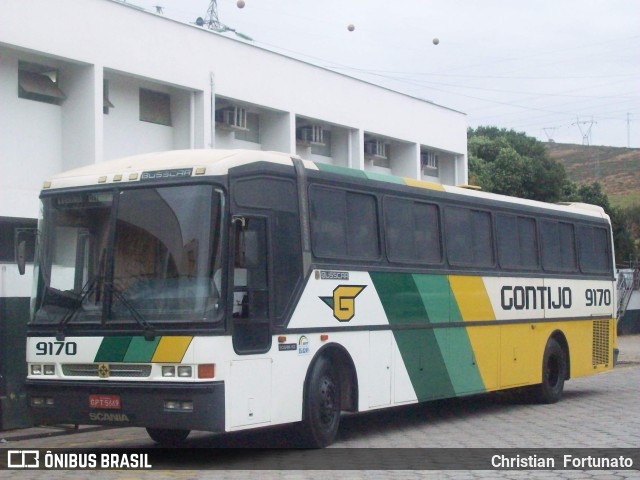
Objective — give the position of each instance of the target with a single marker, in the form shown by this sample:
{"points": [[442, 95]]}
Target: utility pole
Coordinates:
{"points": [[628, 130]]}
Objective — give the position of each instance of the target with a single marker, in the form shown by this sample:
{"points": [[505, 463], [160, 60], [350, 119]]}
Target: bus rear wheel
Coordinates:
{"points": [[554, 373], [166, 437], [321, 405]]}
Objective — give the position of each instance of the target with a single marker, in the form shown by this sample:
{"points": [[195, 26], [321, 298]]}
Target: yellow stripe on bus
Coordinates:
{"points": [[472, 298], [171, 349], [474, 304], [422, 184]]}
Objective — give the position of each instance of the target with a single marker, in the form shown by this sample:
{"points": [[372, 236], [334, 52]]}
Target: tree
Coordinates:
{"points": [[510, 163]]}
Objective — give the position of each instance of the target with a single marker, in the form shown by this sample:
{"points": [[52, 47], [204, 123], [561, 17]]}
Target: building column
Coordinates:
{"points": [[356, 149]]}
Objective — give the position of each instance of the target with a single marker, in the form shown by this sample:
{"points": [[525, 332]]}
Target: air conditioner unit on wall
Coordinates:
{"points": [[429, 160], [310, 135], [234, 118], [375, 148]]}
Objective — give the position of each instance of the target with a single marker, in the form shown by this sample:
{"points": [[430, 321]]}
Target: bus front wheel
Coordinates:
{"points": [[321, 405], [554, 373], [166, 437]]}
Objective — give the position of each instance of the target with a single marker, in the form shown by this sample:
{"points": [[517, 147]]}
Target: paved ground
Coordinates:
{"points": [[601, 411]]}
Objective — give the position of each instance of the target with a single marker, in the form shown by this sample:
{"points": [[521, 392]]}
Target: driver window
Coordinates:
{"points": [[251, 299]]}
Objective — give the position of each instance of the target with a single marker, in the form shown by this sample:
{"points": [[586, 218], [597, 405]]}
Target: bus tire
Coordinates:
{"points": [[554, 373], [167, 437], [321, 405]]}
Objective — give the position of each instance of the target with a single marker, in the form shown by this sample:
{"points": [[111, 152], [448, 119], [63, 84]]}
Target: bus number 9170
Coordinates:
{"points": [[596, 297], [56, 348]]}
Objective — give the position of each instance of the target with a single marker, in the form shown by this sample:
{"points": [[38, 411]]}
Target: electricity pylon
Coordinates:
{"points": [[212, 22], [585, 129]]}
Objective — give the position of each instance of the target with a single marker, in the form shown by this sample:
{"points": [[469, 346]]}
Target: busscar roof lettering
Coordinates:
{"points": [[202, 162]]}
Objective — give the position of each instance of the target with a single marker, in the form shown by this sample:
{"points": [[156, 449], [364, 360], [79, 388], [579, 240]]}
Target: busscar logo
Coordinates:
{"points": [[343, 301]]}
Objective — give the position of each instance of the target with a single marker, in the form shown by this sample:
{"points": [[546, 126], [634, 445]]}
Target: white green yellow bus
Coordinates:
{"points": [[230, 290]]}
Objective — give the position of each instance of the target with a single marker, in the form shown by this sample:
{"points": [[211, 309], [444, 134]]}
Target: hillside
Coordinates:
{"points": [[617, 169]]}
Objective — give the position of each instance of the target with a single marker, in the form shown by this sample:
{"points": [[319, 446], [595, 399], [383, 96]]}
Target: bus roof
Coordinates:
{"points": [[208, 162]]}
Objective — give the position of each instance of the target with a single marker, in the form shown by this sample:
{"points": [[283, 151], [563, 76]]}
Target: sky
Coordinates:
{"points": [[566, 70]]}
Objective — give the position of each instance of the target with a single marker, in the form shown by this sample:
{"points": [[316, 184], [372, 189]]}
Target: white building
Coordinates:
{"points": [[84, 82]]}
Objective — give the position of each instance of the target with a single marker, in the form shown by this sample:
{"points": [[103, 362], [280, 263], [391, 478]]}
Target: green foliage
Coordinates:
{"points": [[511, 163], [630, 217]]}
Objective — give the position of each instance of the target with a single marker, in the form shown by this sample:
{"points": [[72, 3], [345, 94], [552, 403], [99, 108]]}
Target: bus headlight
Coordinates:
{"points": [[49, 369], [168, 371], [185, 371], [36, 369]]}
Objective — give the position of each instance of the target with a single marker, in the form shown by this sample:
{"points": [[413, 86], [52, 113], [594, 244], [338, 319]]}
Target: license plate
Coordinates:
{"points": [[105, 401]]}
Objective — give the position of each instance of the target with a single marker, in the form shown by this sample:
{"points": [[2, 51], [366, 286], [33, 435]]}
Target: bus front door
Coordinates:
{"points": [[249, 393]]}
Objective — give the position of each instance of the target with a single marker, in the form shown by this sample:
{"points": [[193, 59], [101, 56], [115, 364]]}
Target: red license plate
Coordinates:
{"points": [[105, 401]]}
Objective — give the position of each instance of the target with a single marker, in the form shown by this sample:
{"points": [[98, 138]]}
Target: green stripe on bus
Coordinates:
{"points": [[460, 360], [441, 361], [382, 177], [419, 348], [112, 349], [325, 167], [436, 295], [141, 350], [454, 343], [400, 298]]}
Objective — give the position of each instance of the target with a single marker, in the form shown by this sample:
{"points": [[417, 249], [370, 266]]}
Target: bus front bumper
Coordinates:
{"points": [[183, 406]]}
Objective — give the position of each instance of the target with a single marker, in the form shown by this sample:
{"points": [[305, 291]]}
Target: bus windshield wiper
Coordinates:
{"points": [[149, 331], [73, 310]]}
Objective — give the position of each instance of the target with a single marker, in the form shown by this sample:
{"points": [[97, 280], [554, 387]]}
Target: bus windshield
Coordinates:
{"points": [[143, 255]]}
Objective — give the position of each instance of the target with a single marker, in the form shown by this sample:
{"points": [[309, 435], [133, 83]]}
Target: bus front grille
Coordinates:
{"points": [[600, 352], [115, 370]]}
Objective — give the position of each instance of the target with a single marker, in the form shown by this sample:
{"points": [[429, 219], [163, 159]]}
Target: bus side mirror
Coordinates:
{"points": [[23, 237], [21, 258]]}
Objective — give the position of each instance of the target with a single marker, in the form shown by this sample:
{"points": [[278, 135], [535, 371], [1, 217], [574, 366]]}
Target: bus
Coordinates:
{"points": [[224, 290]]}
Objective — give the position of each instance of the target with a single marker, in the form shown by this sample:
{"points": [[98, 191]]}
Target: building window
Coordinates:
{"points": [[106, 104], [324, 148], [39, 83], [251, 131], [155, 107], [429, 159]]}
